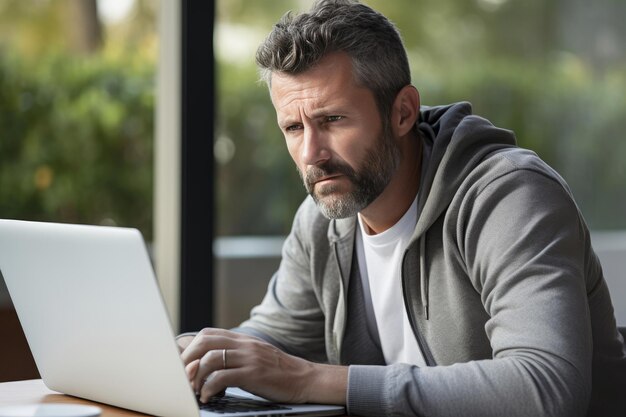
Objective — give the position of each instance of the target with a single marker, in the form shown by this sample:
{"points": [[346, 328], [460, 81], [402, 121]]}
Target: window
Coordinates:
{"points": [[77, 89]]}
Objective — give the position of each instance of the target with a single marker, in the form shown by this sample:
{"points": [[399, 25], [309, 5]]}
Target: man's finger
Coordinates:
{"points": [[192, 369], [219, 380], [212, 361], [204, 343]]}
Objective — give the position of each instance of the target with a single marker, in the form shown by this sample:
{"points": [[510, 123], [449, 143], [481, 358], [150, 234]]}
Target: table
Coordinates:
{"points": [[34, 391]]}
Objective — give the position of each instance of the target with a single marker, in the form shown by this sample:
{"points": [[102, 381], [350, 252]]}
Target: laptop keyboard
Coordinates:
{"points": [[227, 404]]}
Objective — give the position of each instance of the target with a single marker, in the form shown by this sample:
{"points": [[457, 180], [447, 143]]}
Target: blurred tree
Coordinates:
{"points": [[85, 30]]}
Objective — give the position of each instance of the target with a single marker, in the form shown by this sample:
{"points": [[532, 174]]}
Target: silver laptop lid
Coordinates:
{"points": [[88, 302]]}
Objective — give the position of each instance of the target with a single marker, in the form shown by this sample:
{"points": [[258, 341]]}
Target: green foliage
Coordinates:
{"points": [[77, 139]]}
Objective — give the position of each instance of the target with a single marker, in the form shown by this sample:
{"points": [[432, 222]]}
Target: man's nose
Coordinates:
{"points": [[315, 148]]}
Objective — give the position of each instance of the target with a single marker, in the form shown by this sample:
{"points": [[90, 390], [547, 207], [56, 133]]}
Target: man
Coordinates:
{"points": [[436, 268]]}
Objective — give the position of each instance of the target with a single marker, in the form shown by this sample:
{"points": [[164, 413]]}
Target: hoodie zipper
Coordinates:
{"points": [[338, 342], [421, 342]]}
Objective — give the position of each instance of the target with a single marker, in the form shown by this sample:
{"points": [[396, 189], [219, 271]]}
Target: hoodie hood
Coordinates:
{"points": [[458, 141]]}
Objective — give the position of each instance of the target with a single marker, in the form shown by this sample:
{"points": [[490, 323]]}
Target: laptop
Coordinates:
{"points": [[95, 321]]}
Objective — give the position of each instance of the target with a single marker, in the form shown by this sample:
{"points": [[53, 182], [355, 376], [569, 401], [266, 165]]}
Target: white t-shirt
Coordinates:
{"points": [[380, 260]]}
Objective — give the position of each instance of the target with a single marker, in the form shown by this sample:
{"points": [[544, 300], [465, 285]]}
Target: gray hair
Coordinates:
{"points": [[379, 60]]}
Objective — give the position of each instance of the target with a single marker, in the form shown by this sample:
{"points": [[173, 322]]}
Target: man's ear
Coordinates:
{"points": [[405, 110]]}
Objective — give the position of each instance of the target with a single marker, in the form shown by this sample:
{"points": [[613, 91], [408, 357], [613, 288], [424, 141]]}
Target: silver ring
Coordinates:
{"points": [[224, 361]]}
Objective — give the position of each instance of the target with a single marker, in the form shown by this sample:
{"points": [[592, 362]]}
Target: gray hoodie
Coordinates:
{"points": [[502, 288]]}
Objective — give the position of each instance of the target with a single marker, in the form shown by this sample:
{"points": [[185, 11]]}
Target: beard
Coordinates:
{"points": [[367, 181]]}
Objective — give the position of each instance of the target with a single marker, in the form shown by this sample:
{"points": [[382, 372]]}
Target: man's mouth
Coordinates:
{"points": [[326, 178], [325, 175]]}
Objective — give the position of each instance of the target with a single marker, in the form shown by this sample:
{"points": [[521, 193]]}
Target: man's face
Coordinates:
{"points": [[334, 134]]}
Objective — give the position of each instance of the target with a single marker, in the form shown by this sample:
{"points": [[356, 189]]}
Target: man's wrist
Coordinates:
{"points": [[328, 384]]}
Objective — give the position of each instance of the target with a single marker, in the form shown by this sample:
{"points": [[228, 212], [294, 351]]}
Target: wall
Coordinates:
{"points": [[243, 269]]}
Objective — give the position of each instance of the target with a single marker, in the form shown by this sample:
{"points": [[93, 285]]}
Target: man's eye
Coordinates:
{"points": [[333, 118], [293, 128]]}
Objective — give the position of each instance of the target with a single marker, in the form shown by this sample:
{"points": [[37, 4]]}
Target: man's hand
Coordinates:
{"points": [[216, 359]]}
